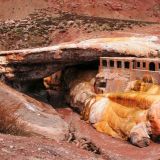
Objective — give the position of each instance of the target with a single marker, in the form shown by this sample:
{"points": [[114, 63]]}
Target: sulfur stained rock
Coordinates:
{"points": [[130, 116], [110, 148]]}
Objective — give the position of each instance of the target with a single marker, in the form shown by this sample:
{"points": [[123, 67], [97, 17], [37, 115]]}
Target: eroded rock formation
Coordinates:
{"points": [[30, 24], [36, 117], [131, 115], [31, 64]]}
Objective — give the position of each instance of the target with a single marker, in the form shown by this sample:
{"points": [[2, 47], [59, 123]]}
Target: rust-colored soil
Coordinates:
{"points": [[37, 148], [148, 10], [43, 30]]}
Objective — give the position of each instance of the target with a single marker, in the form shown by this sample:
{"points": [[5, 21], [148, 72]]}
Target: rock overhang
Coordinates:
{"points": [[67, 54]]}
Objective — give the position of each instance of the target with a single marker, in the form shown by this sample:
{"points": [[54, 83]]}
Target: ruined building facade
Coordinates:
{"points": [[115, 72]]}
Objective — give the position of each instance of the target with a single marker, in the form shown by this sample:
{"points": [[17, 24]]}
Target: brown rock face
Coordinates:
{"points": [[21, 148], [38, 118]]}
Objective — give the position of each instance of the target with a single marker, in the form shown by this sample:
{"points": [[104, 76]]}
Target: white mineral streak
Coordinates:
{"points": [[31, 107], [126, 45], [3, 60], [97, 110]]}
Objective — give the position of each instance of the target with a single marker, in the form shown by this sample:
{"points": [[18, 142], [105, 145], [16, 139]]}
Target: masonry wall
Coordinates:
{"points": [[118, 79]]}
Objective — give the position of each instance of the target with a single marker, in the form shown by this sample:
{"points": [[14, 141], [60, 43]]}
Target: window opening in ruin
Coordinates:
{"points": [[126, 65], [138, 64], [159, 65], [152, 66], [144, 64], [134, 64], [102, 84], [104, 63], [119, 64], [111, 63]]}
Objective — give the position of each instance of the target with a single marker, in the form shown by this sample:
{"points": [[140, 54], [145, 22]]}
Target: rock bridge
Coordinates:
{"points": [[32, 64]]}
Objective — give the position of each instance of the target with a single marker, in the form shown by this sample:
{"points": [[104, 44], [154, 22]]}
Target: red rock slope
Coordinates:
{"points": [[148, 10]]}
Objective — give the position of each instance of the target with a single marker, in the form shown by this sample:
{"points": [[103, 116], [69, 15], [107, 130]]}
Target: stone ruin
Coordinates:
{"points": [[116, 72]]}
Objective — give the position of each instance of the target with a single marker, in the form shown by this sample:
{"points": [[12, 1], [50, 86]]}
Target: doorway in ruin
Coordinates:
{"points": [[152, 66]]}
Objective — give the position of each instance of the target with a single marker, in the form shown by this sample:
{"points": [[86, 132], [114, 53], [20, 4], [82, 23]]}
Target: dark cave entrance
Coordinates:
{"points": [[92, 65], [56, 93]]}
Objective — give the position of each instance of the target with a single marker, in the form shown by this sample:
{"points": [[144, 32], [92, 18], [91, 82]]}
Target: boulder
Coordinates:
{"points": [[36, 117]]}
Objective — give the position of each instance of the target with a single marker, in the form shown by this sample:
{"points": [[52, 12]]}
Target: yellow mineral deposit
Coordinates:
{"points": [[132, 115]]}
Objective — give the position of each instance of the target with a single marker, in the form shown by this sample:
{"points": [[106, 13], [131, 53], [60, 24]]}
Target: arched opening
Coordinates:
{"points": [[119, 64], [111, 63], [138, 64], [152, 66], [144, 65], [104, 63], [126, 65]]}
